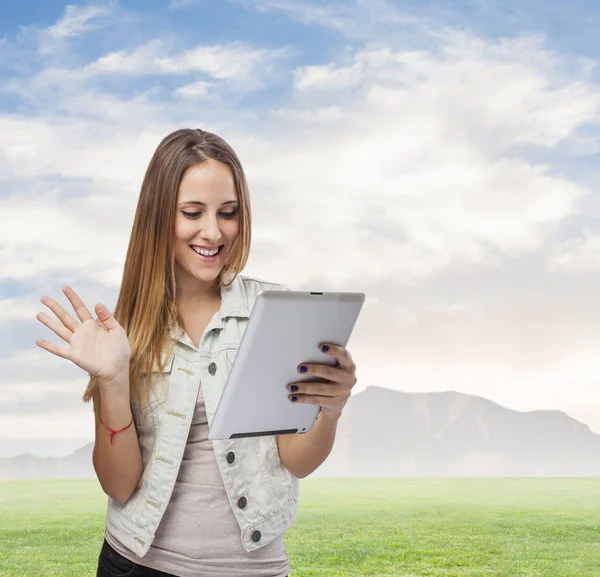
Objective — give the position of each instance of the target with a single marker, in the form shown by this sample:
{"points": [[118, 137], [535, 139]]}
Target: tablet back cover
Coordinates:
{"points": [[285, 329]]}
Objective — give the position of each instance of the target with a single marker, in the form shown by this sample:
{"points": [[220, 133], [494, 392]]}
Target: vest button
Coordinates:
{"points": [[212, 369], [230, 457], [256, 536], [242, 502]]}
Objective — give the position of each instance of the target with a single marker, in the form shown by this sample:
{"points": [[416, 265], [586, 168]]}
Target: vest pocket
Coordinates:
{"points": [[161, 388], [277, 471]]}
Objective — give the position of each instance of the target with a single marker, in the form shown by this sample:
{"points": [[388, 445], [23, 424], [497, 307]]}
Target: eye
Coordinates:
{"points": [[222, 214]]}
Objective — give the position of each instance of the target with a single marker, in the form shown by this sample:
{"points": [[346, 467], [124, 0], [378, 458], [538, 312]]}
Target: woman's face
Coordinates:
{"points": [[207, 219]]}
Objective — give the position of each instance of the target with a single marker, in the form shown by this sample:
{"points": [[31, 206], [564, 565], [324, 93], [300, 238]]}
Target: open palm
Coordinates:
{"points": [[98, 346]]}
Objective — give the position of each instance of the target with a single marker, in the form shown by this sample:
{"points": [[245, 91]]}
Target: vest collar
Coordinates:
{"points": [[234, 303]]}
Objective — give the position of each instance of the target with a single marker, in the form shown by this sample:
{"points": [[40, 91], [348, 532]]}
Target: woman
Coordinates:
{"points": [[179, 504]]}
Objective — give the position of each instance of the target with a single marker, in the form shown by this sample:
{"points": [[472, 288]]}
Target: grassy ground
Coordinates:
{"points": [[349, 527]]}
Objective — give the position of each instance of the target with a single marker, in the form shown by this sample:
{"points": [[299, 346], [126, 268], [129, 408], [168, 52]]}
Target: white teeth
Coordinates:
{"points": [[205, 252]]}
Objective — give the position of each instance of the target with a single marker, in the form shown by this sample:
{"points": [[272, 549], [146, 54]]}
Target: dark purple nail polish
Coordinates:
{"points": [[302, 369], [294, 388], [324, 348], [294, 399]]}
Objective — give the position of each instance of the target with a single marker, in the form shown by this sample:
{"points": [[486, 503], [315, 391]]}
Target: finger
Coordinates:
{"points": [[319, 389], [334, 374], [54, 349], [105, 316], [61, 313], [83, 314], [340, 354], [64, 333], [329, 402]]}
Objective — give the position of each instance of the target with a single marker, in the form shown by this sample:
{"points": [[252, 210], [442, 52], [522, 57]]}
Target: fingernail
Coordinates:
{"points": [[293, 388], [302, 369], [294, 399], [324, 348]]}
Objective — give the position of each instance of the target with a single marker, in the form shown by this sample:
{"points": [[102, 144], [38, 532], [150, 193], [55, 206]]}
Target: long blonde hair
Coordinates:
{"points": [[146, 306]]}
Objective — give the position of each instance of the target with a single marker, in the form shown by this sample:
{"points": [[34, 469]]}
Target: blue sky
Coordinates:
{"points": [[569, 26], [442, 157]]}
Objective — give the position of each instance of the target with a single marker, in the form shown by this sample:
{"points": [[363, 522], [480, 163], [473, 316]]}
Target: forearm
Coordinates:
{"points": [[118, 465], [303, 454]]}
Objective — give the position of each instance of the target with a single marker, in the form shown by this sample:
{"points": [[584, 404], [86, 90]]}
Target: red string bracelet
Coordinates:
{"points": [[113, 432]]}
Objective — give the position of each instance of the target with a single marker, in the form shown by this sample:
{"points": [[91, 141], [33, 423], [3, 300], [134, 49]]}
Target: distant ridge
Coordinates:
{"points": [[384, 432]]}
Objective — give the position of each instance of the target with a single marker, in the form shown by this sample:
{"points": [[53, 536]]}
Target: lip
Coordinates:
{"points": [[213, 247]]}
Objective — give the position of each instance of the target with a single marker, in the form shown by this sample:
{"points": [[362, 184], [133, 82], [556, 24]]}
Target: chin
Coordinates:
{"points": [[208, 274]]}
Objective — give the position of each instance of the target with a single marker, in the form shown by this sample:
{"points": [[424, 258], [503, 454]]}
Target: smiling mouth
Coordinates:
{"points": [[208, 257]]}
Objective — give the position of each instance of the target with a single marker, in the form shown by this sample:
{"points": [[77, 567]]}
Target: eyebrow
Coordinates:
{"points": [[204, 204]]}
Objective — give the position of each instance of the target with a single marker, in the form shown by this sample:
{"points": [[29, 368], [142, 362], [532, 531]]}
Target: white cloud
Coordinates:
{"points": [[52, 146], [418, 163], [45, 244], [194, 90], [14, 310], [47, 374], [578, 255], [28, 357], [78, 19], [241, 65], [328, 77], [358, 19]]}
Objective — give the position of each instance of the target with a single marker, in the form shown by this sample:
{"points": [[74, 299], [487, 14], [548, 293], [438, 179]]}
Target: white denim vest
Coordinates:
{"points": [[250, 467]]}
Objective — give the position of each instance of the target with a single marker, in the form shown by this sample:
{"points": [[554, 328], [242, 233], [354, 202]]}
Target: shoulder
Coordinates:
{"points": [[254, 285], [239, 295]]}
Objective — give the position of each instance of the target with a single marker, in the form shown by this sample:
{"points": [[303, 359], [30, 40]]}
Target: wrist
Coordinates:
{"points": [[120, 381], [114, 393], [115, 406], [330, 417]]}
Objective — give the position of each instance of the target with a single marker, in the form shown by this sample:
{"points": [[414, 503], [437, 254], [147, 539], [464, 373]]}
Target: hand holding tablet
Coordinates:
{"points": [[330, 387]]}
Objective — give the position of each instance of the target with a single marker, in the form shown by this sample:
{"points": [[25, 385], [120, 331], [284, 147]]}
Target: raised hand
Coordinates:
{"points": [[98, 346]]}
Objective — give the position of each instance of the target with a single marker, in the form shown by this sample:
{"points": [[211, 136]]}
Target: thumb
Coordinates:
{"points": [[105, 316]]}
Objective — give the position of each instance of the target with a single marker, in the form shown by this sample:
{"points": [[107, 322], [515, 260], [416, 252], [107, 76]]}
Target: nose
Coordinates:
{"points": [[210, 231]]}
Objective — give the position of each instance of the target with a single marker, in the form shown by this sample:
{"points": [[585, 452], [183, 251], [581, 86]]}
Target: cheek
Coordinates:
{"points": [[181, 230], [177, 229], [232, 228]]}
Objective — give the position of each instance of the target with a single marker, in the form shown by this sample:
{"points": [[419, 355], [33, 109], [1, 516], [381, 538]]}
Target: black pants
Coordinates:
{"points": [[112, 564]]}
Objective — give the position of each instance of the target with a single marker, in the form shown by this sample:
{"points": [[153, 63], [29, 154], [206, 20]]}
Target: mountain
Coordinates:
{"points": [[28, 466], [389, 433]]}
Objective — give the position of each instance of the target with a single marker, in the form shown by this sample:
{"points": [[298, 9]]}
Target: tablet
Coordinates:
{"points": [[285, 329]]}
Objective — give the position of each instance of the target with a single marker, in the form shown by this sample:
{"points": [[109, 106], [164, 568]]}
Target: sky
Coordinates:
{"points": [[442, 157]]}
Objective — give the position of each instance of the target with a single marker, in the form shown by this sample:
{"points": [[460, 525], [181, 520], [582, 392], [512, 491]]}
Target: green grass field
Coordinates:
{"points": [[349, 527]]}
